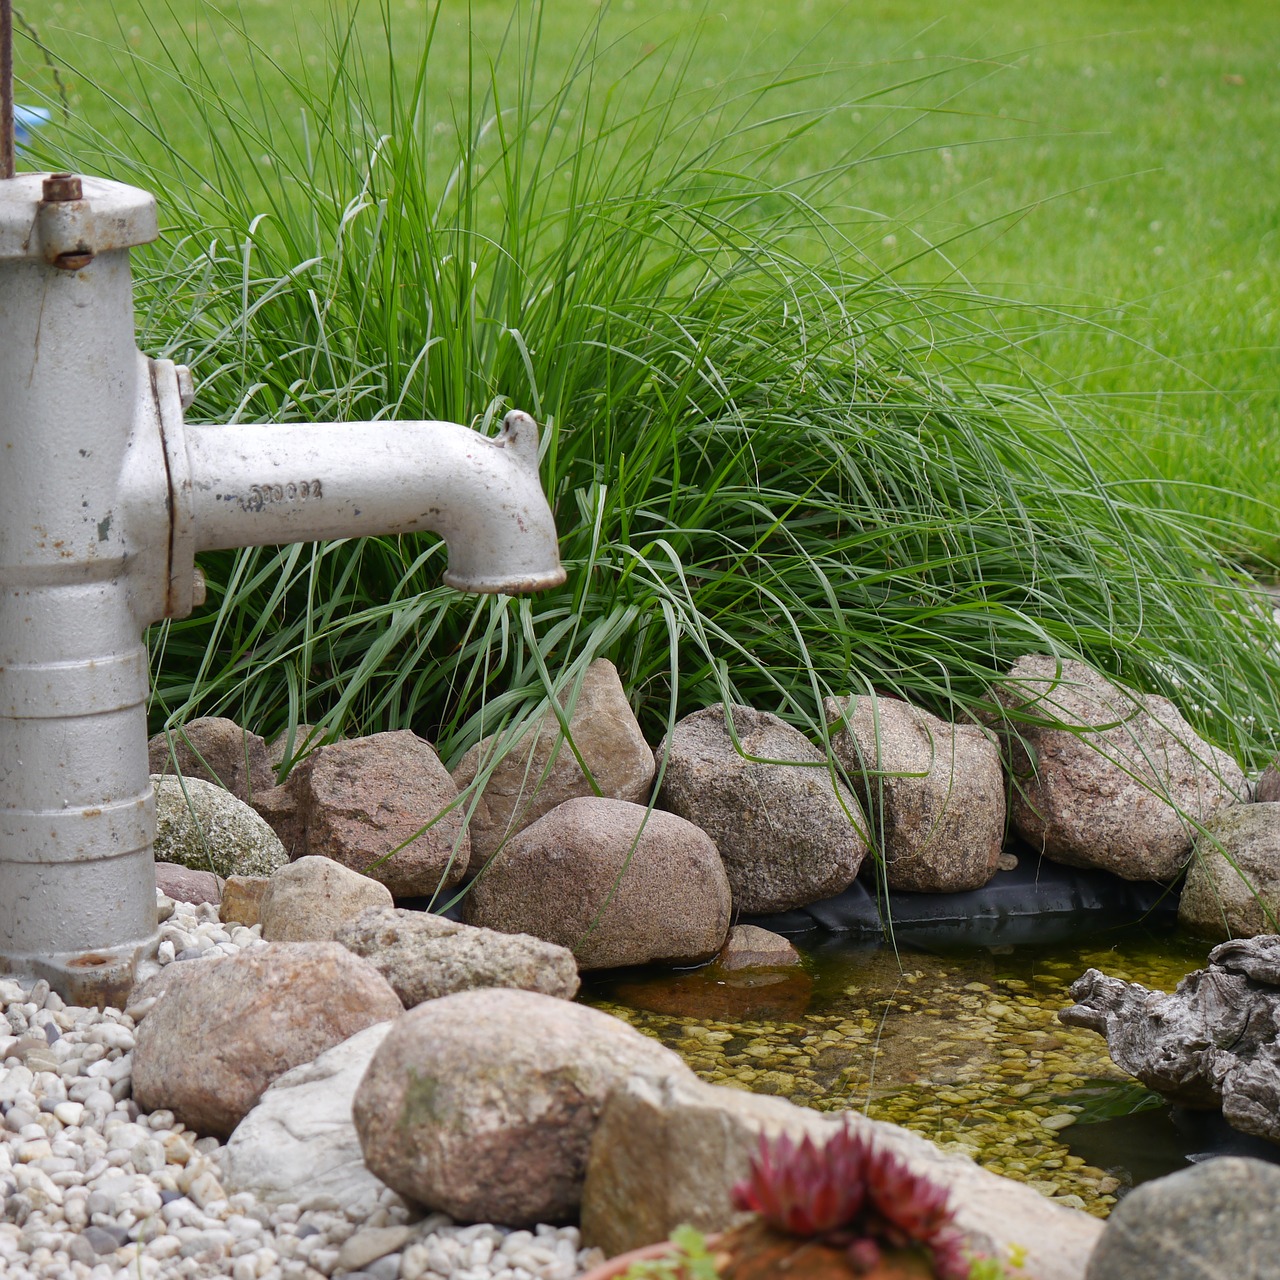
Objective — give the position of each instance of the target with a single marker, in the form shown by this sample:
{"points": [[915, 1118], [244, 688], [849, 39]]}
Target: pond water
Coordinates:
{"points": [[962, 1047]]}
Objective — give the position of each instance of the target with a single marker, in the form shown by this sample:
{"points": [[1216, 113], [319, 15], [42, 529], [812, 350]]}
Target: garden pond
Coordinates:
{"points": [[963, 1047]]}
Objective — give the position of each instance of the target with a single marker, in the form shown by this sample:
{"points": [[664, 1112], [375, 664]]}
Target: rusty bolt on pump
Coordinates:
{"points": [[66, 188], [59, 187]]}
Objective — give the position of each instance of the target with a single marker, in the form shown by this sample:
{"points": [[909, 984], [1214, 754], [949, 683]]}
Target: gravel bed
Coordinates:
{"points": [[93, 1189]]}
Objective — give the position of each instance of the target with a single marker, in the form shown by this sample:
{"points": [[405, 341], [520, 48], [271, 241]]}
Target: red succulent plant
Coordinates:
{"points": [[847, 1193]]}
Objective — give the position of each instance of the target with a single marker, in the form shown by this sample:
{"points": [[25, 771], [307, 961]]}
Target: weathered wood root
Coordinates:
{"points": [[1215, 1042]]}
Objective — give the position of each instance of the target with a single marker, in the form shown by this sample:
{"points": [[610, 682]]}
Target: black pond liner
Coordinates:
{"points": [[1037, 903]]}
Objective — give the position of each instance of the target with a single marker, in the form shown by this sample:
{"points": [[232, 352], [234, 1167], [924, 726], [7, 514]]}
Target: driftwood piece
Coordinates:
{"points": [[1215, 1042]]}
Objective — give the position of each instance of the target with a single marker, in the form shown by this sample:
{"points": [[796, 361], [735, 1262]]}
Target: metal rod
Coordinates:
{"points": [[8, 167]]}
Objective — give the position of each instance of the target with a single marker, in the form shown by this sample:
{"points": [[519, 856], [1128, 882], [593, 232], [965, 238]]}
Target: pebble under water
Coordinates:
{"points": [[964, 1049]]}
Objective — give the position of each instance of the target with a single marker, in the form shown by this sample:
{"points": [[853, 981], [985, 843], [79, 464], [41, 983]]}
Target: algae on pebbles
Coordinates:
{"points": [[977, 1064]]}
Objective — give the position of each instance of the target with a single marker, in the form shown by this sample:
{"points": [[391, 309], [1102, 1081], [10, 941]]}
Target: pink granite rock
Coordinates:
{"points": [[222, 1030]]}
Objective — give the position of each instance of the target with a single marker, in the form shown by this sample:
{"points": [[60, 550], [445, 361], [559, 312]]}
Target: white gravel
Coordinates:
{"points": [[91, 1189]]}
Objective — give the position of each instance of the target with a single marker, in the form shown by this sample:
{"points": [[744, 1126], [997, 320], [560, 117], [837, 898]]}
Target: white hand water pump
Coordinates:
{"points": [[105, 498]]}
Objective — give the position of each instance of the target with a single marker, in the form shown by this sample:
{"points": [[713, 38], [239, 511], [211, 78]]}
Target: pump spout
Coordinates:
{"points": [[106, 497], [255, 485]]}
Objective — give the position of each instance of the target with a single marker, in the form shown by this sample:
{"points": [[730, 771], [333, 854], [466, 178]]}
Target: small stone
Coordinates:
{"points": [[372, 1243], [104, 1239], [69, 1113], [387, 1268], [312, 898], [242, 899], [1063, 1120], [749, 946]]}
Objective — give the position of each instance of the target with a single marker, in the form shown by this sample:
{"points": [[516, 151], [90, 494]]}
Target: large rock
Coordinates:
{"points": [[1211, 1043], [1115, 779], [933, 791], [215, 750], [377, 805], [542, 771], [223, 1030], [202, 826], [1215, 1221], [1268, 786], [289, 748], [299, 1142], [311, 899], [668, 1150], [425, 956], [280, 810], [614, 885], [482, 1104], [788, 834], [1233, 886]]}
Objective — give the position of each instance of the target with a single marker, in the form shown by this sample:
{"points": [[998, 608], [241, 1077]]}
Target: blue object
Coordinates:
{"points": [[27, 118]]}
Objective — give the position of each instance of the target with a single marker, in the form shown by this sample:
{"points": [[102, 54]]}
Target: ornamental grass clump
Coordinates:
{"points": [[779, 473], [849, 1195]]}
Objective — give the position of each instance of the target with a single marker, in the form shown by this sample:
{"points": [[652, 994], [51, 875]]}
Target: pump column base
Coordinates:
{"points": [[91, 979]]}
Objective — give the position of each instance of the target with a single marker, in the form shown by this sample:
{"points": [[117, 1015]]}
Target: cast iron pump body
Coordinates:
{"points": [[106, 496]]}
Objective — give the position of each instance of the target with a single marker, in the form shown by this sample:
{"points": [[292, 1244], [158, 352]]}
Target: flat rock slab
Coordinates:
{"points": [[299, 1143], [425, 956]]}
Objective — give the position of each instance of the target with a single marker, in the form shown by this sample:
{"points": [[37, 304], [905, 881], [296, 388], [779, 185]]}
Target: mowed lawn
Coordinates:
{"points": [[1117, 164]]}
